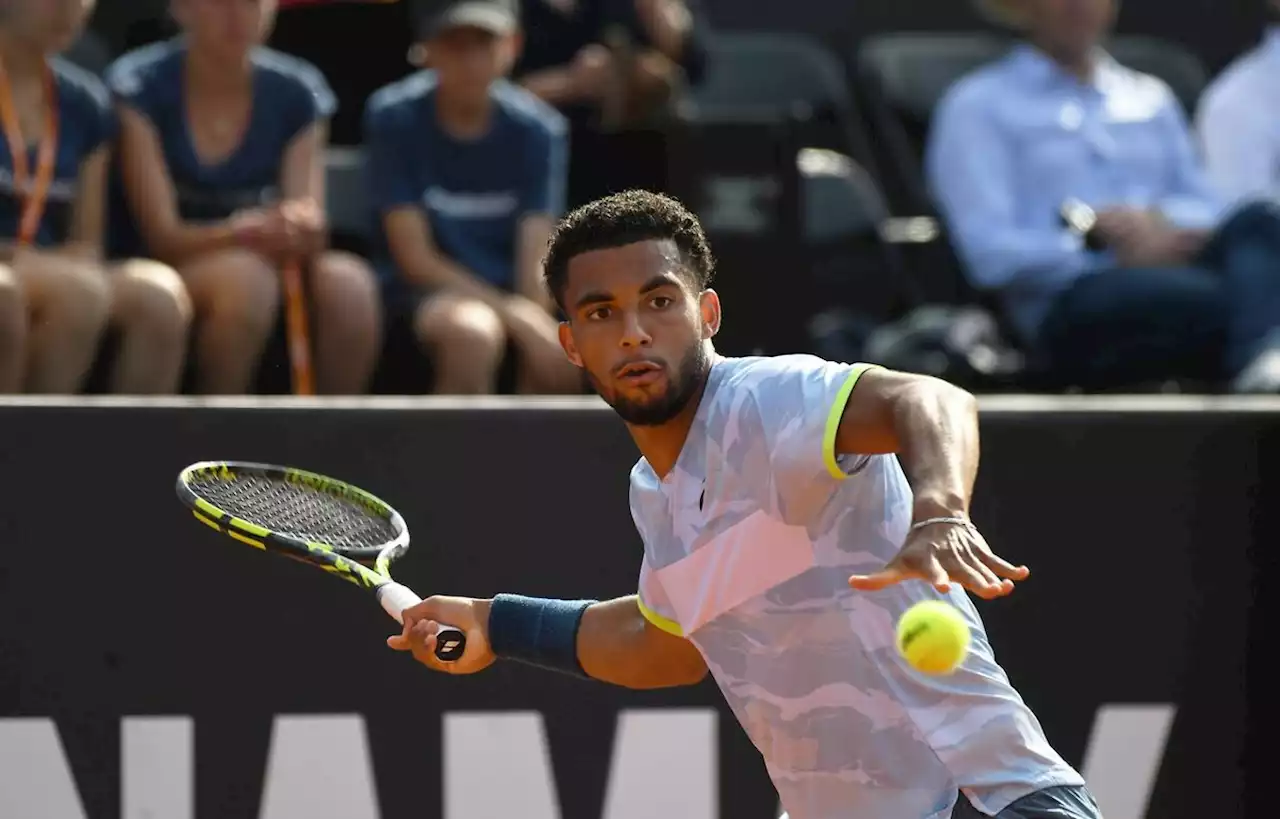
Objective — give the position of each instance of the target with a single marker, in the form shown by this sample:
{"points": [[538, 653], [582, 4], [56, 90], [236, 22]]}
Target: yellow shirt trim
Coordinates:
{"points": [[669, 626], [833, 421]]}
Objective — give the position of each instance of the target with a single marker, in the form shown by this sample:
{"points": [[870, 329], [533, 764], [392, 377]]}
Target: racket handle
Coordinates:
{"points": [[395, 598]]}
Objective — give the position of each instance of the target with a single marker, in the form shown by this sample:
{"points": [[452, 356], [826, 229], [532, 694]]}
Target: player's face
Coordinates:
{"points": [[226, 27], [53, 24], [638, 330], [467, 60]]}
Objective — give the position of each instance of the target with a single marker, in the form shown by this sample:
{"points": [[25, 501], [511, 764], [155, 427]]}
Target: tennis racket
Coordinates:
{"points": [[317, 520]]}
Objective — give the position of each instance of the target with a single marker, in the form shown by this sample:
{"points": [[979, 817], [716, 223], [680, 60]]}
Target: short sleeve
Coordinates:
{"points": [[389, 181], [132, 81], [654, 604], [305, 96], [547, 173], [798, 401], [95, 119]]}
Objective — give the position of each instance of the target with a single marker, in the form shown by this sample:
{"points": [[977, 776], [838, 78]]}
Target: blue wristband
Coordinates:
{"points": [[537, 631]]}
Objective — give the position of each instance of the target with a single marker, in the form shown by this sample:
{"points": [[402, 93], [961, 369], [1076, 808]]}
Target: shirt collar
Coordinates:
{"points": [[1039, 67]]}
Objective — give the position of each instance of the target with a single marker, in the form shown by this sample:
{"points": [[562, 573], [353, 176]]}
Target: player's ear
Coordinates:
{"points": [[512, 45], [569, 345], [709, 304]]}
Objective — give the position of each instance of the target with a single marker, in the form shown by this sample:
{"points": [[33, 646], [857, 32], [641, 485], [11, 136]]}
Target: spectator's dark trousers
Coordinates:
{"points": [[1206, 321]]}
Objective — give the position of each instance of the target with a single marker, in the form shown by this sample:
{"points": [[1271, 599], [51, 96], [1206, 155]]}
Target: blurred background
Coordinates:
{"points": [[1066, 206], [847, 222]]}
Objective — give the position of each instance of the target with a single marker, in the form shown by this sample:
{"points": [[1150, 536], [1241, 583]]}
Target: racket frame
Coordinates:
{"points": [[350, 564]]}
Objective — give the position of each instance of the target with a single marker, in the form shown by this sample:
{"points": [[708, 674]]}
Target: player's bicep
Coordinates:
{"points": [[865, 423], [661, 635], [869, 423], [618, 644], [680, 659]]}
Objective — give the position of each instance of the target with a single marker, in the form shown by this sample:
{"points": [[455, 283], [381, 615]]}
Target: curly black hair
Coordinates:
{"points": [[622, 219]]}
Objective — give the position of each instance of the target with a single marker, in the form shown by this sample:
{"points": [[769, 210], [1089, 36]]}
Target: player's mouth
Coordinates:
{"points": [[640, 373]]}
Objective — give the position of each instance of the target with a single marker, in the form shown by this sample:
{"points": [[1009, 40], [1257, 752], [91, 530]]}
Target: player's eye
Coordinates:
{"points": [[661, 302], [598, 313]]}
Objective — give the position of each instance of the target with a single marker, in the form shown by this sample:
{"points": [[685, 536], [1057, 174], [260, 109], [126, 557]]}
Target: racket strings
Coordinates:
{"points": [[297, 510]]}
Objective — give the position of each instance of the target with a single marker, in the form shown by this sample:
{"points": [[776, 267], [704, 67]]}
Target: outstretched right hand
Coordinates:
{"points": [[421, 622]]}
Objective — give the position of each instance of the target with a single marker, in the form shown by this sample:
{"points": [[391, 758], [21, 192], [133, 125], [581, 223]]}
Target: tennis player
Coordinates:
{"points": [[782, 540]]}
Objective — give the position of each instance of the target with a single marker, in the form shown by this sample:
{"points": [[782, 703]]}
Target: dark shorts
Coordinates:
{"points": [[1061, 802], [400, 299], [403, 367]]}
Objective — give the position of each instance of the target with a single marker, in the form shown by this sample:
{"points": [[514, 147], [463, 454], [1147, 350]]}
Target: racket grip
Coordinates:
{"points": [[395, 598]]}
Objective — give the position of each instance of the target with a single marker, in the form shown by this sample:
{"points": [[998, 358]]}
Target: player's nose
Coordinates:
{"points": [[634, 333]]}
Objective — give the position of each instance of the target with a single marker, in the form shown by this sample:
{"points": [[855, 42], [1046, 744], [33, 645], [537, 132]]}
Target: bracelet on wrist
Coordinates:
{"points": [[537, 631], [948, 521]]}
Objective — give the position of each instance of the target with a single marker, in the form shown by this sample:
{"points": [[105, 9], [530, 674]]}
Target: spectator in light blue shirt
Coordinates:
{"points": [[467, 176], [1239, 123], [1167, 283]]}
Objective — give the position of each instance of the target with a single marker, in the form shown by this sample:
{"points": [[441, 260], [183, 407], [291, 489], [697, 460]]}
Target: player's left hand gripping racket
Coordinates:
{"points": [[327, 523]]}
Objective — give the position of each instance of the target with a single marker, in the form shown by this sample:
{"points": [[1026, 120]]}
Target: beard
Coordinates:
{"points": [[659, 409]]}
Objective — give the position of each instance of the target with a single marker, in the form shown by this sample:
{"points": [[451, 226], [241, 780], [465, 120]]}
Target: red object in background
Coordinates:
{"points": [[288, 4]]}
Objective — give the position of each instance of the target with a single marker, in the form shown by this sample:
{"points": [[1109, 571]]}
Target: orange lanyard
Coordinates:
{"points": [[32, 193]]}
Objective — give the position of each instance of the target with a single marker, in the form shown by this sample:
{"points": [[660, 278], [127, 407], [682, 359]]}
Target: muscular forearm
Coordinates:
{"points": [[617, 645], [936, 425]]}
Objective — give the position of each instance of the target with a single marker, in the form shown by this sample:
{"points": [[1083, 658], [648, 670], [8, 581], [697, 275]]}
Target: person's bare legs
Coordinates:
{"points": [[152, 310], [465, 340], [548, 375], [13, 332], [236, 294], [69, 302], [543, 367], [347, 331]]}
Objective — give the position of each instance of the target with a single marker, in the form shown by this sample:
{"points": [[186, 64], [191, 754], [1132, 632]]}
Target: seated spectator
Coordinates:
{"points": [[56, 296], [1239, 123], [467, 175], [222, 170], [611, 67], [1162, 286]]}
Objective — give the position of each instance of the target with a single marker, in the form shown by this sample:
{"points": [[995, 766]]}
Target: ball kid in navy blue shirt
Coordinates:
{"points": [[56, 294], [221, 175], [467, 175]]}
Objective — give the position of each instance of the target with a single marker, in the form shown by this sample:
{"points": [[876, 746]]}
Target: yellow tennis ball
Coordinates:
{"points": [[933, 637]]}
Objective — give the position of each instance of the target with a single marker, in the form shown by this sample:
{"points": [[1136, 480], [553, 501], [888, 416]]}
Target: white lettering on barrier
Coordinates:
{"points": [[664, 763], [35, 779], [1122, 759], [157, 768], [319, 767]]}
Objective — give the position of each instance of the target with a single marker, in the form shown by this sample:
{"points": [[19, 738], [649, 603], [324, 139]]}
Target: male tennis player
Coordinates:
{"points": [[779, 530]]}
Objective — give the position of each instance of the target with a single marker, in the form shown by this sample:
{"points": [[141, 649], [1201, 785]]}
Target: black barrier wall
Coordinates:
{"points": [[116, 605]]}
